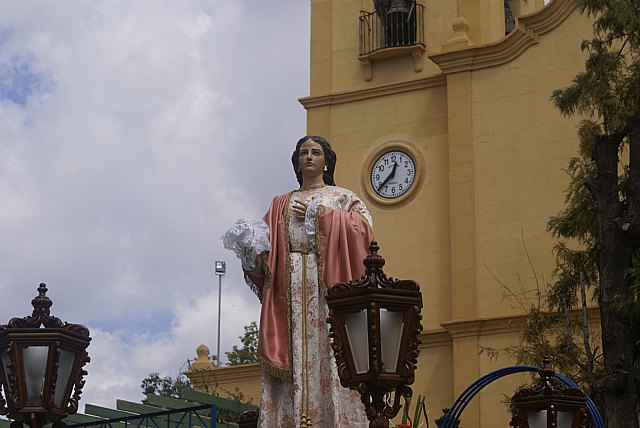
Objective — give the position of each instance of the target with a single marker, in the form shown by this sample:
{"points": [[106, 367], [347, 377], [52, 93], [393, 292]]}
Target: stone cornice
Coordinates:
{"points": [[434, 338], [243, 372], [485, 326], [527, 32], [499, 324], [374, 92]]}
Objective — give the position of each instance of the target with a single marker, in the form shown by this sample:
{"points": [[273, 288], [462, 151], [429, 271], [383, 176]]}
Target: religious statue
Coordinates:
{"points": [[310, 238]]}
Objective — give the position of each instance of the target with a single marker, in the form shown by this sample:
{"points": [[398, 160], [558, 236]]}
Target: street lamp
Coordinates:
{"points": [[374, 323], [548, 404], [41, 367], [221, 269]]}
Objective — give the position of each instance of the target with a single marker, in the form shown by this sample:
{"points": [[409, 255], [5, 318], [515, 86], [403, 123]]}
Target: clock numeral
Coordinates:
{"points": [[381, 168], [393, 158], [400, 187], [378, 177]]}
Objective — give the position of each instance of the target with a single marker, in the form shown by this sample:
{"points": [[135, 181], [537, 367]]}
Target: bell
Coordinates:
{"points": [[399, 6]]}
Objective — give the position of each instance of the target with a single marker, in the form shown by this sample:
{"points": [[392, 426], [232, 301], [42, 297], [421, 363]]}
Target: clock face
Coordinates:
{"points": [[392, 174]]}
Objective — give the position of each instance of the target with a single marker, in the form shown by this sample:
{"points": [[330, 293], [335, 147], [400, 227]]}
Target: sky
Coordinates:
{"points": [[133, 133]]}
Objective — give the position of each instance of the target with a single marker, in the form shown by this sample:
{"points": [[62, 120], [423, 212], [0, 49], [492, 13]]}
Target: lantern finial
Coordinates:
{"points": [[374, 262], [548, 400], [41, 314], [41, 303]]}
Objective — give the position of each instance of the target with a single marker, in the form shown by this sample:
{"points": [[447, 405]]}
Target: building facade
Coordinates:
{"points": [[462, 88]]}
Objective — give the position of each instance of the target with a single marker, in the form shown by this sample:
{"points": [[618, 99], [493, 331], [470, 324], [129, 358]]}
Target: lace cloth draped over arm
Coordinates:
{"points": [[359, 207], [247, 238], [351, 203]]}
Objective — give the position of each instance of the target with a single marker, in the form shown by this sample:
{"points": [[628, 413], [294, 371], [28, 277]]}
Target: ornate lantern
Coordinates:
{"points": [[41, 367], [374, 323], [548, 404]]}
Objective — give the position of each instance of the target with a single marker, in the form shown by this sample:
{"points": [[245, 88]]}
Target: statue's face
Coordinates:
{"points": [[311, 159]]}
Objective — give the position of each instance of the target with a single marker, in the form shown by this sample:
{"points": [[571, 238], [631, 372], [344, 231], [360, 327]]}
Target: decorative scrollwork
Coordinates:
{"points": [[41, 314], [377, 406], [373, 276], [548, 384], [338, 352], [249, 419], [72, 408], [12, 394], [76, 328], [408, 369]]}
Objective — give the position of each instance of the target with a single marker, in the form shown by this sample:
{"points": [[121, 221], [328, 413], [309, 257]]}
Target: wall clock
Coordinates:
{"points": [[392, 173]]}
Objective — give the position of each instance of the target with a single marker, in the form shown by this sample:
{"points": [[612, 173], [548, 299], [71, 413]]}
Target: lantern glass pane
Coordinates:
{"points": [[355, 324], [35, 365], [391, 326], [565, 419], [537, 419], [64, 374], [5, 367]]}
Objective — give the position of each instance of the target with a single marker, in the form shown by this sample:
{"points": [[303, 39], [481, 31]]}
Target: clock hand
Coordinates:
{"points": [[393, 173]]}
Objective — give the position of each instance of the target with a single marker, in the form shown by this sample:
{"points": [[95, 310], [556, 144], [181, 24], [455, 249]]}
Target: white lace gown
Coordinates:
{"points": [[314, 396]]}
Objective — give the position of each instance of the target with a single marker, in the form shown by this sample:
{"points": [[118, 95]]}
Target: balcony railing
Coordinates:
{"points": [[383, 29]]}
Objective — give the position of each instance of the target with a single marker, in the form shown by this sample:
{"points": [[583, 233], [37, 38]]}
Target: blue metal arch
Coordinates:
{"points": [[450, 419]]}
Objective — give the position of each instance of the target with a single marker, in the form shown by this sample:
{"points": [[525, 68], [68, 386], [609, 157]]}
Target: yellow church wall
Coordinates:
{"points": [[519, 164], [493, 148], [495, 411], [502, 136], [433, 380], [414, 239], [438, 16], [508, 146], [486, 18], [335, 66]]}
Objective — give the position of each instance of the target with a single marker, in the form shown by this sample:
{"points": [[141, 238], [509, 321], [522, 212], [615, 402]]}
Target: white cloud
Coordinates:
{"points": [[146, 129], [122, 358]]}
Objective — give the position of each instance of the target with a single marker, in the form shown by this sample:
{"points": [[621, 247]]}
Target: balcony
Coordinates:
{"points": [[392, 31]]}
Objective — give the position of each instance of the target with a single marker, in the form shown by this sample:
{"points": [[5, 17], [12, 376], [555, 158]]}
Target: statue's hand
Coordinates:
{"points": [[298, 209]]}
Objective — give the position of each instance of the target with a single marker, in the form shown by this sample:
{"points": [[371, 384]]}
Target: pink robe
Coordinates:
{"points": [[298, 364]]}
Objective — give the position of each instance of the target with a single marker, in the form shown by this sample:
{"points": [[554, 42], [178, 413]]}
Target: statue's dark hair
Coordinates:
{"points": [[329, 156]]}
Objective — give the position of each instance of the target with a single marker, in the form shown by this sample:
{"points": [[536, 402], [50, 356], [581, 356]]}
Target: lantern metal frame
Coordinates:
{"points": [[371, 293], [551, 396], [50, 404]]}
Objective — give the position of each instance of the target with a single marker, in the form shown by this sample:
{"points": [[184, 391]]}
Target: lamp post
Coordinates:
{"points": [[221, 269], [374, 323], [548, 404], [41, 367]]}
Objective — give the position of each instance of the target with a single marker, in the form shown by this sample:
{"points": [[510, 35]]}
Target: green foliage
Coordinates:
{"points": [[249, 351], [225, 415], [593, 240], [547, 333], [609, 88], [607, 95], [164, 386], [168, 387]]}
